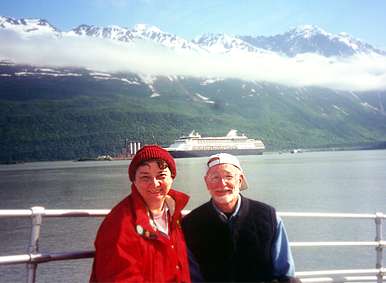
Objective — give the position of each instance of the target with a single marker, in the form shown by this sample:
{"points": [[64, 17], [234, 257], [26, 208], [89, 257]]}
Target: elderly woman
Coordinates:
{"points": [[141, 239]]}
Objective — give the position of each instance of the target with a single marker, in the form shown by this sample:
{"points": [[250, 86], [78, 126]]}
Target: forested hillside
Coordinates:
{"points": [[67, 116]]}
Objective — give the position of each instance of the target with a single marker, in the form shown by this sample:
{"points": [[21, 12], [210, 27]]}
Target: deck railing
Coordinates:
{"points": [[32, 258]]}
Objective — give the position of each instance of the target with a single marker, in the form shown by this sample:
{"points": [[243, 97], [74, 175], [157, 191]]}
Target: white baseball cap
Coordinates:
{"points": [[225, 158]]}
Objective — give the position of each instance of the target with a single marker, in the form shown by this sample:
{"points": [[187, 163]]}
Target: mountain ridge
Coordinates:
{"points": [[298, 40]]}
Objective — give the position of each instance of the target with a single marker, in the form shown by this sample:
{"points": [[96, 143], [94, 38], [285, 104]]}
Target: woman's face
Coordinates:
{"points": [[153, 183]]}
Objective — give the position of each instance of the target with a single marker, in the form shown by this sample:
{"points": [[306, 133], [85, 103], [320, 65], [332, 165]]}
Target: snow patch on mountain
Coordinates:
{"points": [[308, 31], [224, 43], [366, 105], [154, 94], [48, 74], [340, 109], [100, 74], [204, 98], [210, 81], [28, 27], [346, 39], [147, 79], [130, 82], [112, 32], [152, 33]]}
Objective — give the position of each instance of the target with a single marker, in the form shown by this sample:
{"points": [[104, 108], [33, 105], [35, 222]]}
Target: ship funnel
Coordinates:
{"points": [[232, 133]]}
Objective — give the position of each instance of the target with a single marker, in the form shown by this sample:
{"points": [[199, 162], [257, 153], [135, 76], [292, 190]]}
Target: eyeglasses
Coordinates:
{"points": [[215, 178]]}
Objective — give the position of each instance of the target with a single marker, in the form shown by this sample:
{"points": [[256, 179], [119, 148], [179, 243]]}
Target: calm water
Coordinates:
{"points": [[349, 181]]}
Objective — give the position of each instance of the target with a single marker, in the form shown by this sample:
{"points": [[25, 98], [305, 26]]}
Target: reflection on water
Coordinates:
{"points": [[351, 181]]}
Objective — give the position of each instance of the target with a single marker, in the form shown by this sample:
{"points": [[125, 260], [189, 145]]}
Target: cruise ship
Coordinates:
{"points": [[194, 145]]}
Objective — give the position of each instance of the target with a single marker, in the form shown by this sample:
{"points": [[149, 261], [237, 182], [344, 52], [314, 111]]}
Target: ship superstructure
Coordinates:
{"points": [[194, 145]]}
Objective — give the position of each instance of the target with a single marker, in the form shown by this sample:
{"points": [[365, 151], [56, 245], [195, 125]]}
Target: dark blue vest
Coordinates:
{"points": [[235, 251]]}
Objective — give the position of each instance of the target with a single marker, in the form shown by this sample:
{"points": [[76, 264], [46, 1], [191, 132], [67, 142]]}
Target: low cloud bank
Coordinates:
{"points": [[356, 73]]}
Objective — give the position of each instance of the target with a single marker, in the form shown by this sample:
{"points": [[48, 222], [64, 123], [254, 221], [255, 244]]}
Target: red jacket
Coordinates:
{"points": [[129, 249]]}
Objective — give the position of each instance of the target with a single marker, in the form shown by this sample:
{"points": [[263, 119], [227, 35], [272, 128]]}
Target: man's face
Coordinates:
{"points": [[153, 183], [223, 182]]}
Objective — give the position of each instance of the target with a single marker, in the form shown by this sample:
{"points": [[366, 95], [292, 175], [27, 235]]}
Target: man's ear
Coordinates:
{"points": [[241, 179], [206, 182]]}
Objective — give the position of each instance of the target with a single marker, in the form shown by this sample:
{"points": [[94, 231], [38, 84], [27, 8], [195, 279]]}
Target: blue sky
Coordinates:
{"points": [[362, 19]]}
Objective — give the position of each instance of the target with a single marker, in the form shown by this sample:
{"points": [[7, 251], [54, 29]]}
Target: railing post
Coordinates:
{"points": [[379, 248], [33, 248]]}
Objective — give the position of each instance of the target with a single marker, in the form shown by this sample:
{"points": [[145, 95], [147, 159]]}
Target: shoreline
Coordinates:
{"points": [[283, 151]]}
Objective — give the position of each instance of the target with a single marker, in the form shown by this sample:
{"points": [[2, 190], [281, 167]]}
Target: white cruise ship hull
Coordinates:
{"points": [[202, 153], [194, 145]]}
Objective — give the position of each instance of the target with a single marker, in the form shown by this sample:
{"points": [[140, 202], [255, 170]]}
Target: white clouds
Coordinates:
{"points": [[364, 72]]}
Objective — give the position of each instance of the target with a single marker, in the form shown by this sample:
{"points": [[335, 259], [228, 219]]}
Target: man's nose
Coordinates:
{"points": [[223, 181]]}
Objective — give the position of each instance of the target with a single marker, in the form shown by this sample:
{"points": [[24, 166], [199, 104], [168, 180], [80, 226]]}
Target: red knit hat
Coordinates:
{"points": [[151, 152]]}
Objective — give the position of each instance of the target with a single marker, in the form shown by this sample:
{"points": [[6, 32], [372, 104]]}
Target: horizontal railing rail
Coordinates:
{"points": [[45, 257], [54, 212], [104, 212], [33, 257]]}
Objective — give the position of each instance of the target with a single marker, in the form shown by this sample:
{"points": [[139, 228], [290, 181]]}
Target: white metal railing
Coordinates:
{"points": [[33, 257], [347, 275]]}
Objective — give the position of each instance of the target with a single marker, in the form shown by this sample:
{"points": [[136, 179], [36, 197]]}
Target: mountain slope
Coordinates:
{"points": [[45, 117]]}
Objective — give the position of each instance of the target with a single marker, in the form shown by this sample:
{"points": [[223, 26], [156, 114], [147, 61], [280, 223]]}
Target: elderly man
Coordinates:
{"points": [[232, 238]]}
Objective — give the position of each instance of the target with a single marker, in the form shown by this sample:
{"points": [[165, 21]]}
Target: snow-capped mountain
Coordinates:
{"points": [[140, 31], [28, 27], [303, 39], [312, 39], [110, 32], [153, 33], [224, 43]]}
